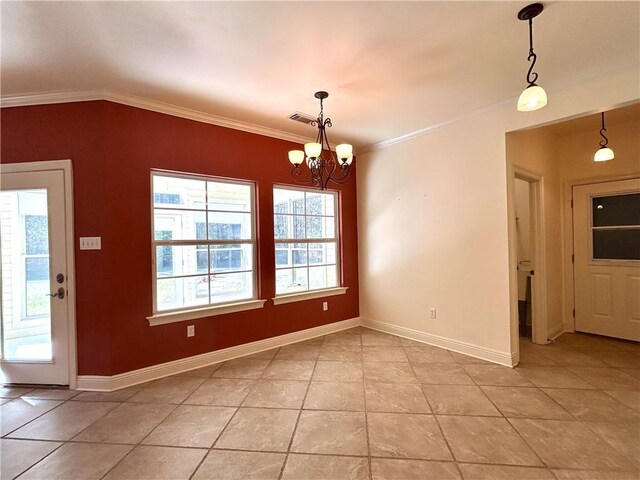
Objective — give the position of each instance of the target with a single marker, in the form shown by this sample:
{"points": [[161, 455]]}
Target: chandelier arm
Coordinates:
{"points": [[346, 175], [296, 173]]}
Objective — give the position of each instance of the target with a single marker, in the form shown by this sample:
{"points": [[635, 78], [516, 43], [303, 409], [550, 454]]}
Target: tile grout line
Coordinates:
{"points": [[295, 427], [435, 419], [366, 414], [237, 409]]}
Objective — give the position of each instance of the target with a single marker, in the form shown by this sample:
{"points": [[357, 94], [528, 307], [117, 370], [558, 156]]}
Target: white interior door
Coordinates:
{"points": [[35, 309], [606, 221]]}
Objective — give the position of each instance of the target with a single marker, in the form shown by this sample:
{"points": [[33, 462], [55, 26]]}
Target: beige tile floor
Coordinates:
{"points": [[357, 404]]}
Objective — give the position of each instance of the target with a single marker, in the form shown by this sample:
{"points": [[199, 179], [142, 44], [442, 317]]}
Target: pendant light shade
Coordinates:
{"points": [[604, 153], [532, 98], [296, 157]]}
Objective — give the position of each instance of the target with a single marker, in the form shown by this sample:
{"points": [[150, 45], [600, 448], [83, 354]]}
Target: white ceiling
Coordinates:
{"points": [[391, 68]]}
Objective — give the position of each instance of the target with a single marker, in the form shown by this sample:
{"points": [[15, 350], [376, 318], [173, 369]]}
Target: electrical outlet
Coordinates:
{"points": [[325, 306], [191, 331], [432, 312], [90, 243]]}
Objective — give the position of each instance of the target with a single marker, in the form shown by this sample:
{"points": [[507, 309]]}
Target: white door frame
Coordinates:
{"points": [[67, 170], [539, 279], [568, 277]]}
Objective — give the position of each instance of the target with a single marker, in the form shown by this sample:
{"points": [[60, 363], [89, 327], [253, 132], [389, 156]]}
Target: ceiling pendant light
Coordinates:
{"points": [[334, 169], [604, 153], [533, 97]]}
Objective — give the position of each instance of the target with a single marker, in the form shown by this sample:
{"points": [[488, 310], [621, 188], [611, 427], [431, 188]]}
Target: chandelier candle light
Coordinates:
{"points": [[334, 169], [533, 97], [604, 153]]}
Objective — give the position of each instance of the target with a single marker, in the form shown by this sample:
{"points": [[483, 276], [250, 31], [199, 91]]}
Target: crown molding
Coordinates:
{"points": [[151, 105], [432, 128]]}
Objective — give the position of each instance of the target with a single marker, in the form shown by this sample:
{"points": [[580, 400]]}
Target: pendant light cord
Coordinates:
{"points": [[531, 58], [603, 143]]}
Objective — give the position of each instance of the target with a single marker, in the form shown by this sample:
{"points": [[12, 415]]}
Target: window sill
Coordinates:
{"points": [[300, 297], [210, 311]]}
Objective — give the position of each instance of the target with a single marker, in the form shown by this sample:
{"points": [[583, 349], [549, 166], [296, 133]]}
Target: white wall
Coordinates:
{"points": [[433, 222]]}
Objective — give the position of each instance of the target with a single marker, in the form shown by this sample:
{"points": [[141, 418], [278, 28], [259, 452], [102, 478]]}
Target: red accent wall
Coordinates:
{"points": [[113, 148]]}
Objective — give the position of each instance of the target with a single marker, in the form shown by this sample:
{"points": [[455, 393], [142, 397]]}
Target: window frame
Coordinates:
{"points": [[308, 294], [160, 317]]}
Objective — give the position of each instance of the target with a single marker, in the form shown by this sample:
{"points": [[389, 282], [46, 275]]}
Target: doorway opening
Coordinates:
{"points": [[525, 263], [528, 256]]}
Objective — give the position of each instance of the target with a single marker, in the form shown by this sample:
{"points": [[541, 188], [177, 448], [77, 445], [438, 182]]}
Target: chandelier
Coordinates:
{"points": [[334, 167]]}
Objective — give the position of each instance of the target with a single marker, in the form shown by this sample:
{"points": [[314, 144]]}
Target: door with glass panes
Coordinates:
{"points": [[34, 333], [606, 239]]}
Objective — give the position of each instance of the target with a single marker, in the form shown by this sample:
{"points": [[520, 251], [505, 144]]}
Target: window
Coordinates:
{"points": [[305, 230], [203, 242], [616, 227]]}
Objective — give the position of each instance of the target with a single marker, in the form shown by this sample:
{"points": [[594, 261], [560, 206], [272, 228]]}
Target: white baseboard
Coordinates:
{"points": [[483, 353], [154, 372]]}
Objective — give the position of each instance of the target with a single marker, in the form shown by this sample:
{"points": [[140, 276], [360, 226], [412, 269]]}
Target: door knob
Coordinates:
{"points": [[59, 293]]}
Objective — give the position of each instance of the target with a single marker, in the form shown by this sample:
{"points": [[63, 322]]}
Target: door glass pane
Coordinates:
{"points": [[623, 244], [26, 308], [616, 210]]}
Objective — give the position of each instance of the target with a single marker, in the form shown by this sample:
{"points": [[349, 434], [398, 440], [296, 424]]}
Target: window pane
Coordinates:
{"points": [[281, 226], [229, 197], [320, 227], [291, 280], [322, 277], [289, 226], [225, 258], [283, 257], [228, 287], [288, 201], [25, 282], [170, 192], [179, 225], [322, 253], [616, 210], [616, 244], [320, 204], [172, 261], [229, 226], [299, 227], [291, 255], [36, 230], [174, 293], [37, 286]]}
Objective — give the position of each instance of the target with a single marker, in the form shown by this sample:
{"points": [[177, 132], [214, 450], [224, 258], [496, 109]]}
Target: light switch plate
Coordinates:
{"points": [[90, 243]]}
